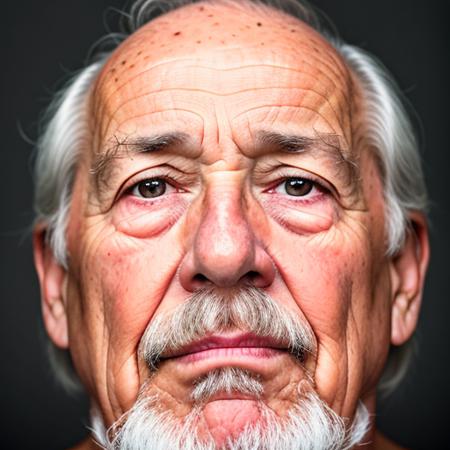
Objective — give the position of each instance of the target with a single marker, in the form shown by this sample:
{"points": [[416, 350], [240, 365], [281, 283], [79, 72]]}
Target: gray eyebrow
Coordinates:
{"points": [[104, 162], [284, 142], [322, 143]]}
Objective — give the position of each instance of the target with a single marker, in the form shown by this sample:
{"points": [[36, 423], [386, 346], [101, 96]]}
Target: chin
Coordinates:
{"points": [[229, 412]]}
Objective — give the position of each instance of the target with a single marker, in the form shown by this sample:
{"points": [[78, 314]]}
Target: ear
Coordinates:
{"points": [[52, 279], [409, 266]]}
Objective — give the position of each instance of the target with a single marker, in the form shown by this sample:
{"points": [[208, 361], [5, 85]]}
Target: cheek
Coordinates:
{"points": [[123, 280], [320, 271], [135, 275], [331, 272], [338, 283]]}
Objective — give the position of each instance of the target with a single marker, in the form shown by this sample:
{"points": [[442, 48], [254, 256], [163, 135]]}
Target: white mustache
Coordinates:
{"points": [[210, 311]]}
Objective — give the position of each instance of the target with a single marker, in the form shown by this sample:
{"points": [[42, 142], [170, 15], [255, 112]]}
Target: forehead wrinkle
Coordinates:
{"points": [[337, 83], [157, 106], [337, 69], [334, 86], [285, 105], [325, 99], [136, 39]]}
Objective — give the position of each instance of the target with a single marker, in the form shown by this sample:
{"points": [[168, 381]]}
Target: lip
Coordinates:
{"points": [[229, 346]]}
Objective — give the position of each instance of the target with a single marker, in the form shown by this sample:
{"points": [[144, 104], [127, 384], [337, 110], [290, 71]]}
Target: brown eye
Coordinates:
{"points": [[150, 188], [298, 186]]}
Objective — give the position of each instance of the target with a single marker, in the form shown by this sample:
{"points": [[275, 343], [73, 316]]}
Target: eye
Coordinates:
{"points": [[150, 188], [296, 186]]}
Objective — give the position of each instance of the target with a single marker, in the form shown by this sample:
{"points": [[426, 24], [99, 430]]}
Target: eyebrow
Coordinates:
{"points": [[104, 162], [323, 143]]}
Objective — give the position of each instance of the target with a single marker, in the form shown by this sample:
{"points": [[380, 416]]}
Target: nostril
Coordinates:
{"points": [[252, 276], [200, 278], [255, 279], [200, 281]]}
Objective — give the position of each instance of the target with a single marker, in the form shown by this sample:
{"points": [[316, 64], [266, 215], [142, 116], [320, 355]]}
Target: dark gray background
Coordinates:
{"points": [[44, 41]]}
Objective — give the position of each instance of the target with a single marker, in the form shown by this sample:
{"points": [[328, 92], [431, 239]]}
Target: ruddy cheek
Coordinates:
{"points": [[145, 219], [302, 218]]}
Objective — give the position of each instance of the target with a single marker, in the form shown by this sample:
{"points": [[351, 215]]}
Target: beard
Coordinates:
{"points": [[309, 424]]}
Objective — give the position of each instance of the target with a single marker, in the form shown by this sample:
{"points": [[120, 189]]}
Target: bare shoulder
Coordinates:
{"points": [[381, 442]]}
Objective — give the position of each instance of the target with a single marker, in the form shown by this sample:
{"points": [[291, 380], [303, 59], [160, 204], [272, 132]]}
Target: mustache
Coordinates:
{"points": [[212, 311]]}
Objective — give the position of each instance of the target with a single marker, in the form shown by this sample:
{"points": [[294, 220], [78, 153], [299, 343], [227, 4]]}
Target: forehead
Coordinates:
{"points": [[257, 66]]}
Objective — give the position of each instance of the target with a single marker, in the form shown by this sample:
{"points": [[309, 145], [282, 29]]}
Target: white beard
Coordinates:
{"points": [[309, 425]]}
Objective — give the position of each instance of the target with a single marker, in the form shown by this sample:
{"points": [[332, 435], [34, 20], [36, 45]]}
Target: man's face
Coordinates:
{"points": [[224, 154]]}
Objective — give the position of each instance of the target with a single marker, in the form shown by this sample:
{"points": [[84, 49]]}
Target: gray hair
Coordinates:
{"points": [[387, 129]]}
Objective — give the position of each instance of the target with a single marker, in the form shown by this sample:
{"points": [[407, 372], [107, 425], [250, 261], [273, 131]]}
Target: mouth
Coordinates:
{"points": [[230, 349]]}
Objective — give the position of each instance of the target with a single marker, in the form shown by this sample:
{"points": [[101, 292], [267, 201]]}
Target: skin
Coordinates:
{"points": [[222, 76]]}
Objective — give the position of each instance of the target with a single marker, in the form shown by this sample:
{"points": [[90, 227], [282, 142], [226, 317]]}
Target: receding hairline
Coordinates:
{"points": [[343, 80]]}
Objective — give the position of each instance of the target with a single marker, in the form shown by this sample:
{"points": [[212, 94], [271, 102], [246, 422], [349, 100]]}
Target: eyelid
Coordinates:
{"points": [[283, 181], [166, 173], [285, 173], [133, 186]]}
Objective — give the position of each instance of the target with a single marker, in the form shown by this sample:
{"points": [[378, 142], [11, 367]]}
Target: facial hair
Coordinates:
{"points": [[310, 424]]}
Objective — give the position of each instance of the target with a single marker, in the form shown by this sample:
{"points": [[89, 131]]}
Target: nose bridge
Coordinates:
{"points": [[225, 249], [224, 242]]}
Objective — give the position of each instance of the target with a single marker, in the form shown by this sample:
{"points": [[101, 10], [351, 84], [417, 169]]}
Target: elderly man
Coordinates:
{"points": [[231, 235]]}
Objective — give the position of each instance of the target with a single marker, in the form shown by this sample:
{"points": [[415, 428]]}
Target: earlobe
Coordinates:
{"points": [[52, 280], [409, 267]]}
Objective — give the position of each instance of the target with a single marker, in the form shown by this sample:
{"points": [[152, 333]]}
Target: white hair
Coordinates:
{"points": [[387, 128]]}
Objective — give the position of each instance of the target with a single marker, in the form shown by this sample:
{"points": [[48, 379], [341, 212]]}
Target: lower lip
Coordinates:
{"points": [[230, 353]]}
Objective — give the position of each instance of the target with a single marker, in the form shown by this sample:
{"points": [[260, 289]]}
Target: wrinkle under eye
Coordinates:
{"points": [[298, 186], [150, 188]]}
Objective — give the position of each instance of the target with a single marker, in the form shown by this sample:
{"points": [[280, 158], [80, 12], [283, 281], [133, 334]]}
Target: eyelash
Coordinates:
{"points": [[283, 177], [175, 181], [172, 179]]}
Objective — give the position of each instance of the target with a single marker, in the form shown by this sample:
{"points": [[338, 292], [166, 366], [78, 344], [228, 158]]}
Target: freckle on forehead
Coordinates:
{"points": [[187, 32]]}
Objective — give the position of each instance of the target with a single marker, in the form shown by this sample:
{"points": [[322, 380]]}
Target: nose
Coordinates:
{"points": [[225, 251]]}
